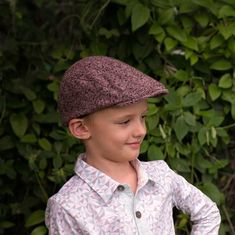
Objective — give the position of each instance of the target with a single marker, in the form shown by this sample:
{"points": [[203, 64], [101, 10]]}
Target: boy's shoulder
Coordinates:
{"points": [[158, 171], [156, 167], [70, 191]]}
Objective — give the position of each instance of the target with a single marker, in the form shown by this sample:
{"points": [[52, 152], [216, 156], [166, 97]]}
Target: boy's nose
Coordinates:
{"points": [[140, 129]]}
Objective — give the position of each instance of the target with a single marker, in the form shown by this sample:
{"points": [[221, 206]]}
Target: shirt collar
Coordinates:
{"points": [[142, 173], [97, 180], [103, 184]]}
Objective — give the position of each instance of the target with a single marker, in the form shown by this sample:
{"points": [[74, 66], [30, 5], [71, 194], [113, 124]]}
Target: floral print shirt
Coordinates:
{"points": [[92, 203]]}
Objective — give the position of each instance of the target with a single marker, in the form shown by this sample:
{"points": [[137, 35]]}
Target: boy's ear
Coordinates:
{"points": [[78, 128]]}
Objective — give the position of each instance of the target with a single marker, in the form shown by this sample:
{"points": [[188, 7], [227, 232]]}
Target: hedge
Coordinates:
{"points": [[187, 45]]}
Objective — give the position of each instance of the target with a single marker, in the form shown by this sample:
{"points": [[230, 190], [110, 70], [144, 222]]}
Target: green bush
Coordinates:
{"points": [[188, 45]]}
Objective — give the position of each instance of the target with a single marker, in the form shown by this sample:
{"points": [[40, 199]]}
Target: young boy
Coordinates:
{"points": [[103, 101]]}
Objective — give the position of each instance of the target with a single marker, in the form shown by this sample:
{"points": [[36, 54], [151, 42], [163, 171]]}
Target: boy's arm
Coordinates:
{"points": [[203, 212], [59, 221]]}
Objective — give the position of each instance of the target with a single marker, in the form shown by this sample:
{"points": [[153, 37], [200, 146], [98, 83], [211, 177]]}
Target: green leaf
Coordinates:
{"points": [[202, 136], [36, 217], [152, 109], [6, 224], [19, 124], [108, 33], [42, 164], [176, 33], [179, 164], [47, 118], [214, 91], [29, 94], [129, 8], [6, 143], [152, 122], [29, 138], [204, 3], [226, 10], [182, 75], [231, 45], [155, 29], [191, 99], [187, 7], [166, 16], [57, 161], [213, 192], [187, 23], [215, 120], [183, 90], [227, 30], [223, 134], [191, 43], [226, 81], [163, 134], [40, 230], [233, 111], [122, 2], [180, 128], [170, 149], [202, 164], [155, 153], [202, 18], [169, 44], [221, 65], [216, 41], [141, 51], [144, 146], [174, 101], [193, 59], [53, 86], [183, 221], [38, 106], [213, 132], [229, 96], [218, 164], [190, 119], [140, 15], [183, 149], [45, 144], [98, 48]]}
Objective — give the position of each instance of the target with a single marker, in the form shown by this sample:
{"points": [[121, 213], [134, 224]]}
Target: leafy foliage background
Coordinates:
{"points": [[187, 44]]}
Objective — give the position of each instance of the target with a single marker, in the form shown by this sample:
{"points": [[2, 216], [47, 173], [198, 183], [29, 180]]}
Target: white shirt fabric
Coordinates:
{"points": [[92, 203]]}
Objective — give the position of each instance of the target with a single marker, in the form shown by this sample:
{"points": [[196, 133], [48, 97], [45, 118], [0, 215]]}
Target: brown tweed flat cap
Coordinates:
{"points": [[98, 82]]}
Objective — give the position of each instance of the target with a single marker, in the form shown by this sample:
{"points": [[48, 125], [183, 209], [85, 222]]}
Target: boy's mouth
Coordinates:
{"points": [[134, 145]]}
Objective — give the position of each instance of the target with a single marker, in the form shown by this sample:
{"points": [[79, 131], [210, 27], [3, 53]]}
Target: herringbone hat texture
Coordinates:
{"points": [[98, 82]]}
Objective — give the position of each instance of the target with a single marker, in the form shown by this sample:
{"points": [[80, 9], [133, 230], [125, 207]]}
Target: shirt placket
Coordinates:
{"points": [[132, 208]]}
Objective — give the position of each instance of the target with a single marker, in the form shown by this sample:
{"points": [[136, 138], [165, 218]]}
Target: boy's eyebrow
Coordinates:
{"points": [[132, 114]]}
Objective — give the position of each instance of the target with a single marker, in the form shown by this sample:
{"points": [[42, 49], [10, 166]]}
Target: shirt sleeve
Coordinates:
{"points": [[203, 212], [59, 221]]}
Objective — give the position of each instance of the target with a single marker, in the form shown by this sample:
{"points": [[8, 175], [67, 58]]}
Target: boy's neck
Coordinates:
{"points": [[122, 172]]}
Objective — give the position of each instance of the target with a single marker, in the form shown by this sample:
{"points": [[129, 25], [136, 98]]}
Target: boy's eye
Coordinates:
{"points": [[124, 122]]}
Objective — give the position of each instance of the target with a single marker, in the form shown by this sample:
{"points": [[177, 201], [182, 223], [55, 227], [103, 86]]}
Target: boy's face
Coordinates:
{"points": [[115, 134]]}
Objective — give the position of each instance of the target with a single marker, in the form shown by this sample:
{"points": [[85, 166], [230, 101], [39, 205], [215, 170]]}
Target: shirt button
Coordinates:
{"points": [[138, 214], [121, 188]]}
